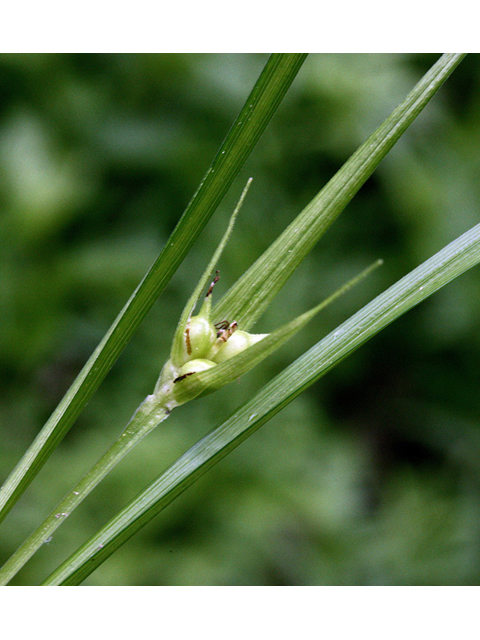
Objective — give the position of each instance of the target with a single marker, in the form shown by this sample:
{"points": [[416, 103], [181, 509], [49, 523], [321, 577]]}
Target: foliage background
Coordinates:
{"points": [[370, 477]]}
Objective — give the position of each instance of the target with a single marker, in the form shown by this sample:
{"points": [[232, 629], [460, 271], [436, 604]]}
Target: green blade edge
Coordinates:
{"points": [[454, 259], [248, 298], [274, 81]]}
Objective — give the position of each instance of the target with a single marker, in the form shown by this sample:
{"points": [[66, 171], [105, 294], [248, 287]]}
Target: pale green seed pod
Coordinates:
{"points": [[236, 343], [199, 336], [182, 387], [195, 366]]}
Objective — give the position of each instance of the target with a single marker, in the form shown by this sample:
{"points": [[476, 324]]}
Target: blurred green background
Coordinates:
{"points": [[372, 476]]}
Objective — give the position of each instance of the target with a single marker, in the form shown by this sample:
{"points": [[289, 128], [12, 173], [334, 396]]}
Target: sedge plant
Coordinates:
{"points": [[213, 344]]}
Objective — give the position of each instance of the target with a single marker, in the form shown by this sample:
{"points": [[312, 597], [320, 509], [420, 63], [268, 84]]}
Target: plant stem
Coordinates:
{"points": [[453, 260], [149, 414], [274, 81]]}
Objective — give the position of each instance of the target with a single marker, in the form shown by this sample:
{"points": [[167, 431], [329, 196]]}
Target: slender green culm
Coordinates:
{"points": [[146, 417], [274, 81], [153, 410], [214, 347], [172, 390], [450, 262]]}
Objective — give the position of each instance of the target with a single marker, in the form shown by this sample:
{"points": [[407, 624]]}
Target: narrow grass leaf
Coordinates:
{"points": [[447, 264], [248, 298], [150, 414], [274, 81]]}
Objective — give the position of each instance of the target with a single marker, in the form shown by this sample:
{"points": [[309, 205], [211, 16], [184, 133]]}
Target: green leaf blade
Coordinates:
{"points": [[447, 264], [248, 298], [276, 78]]}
